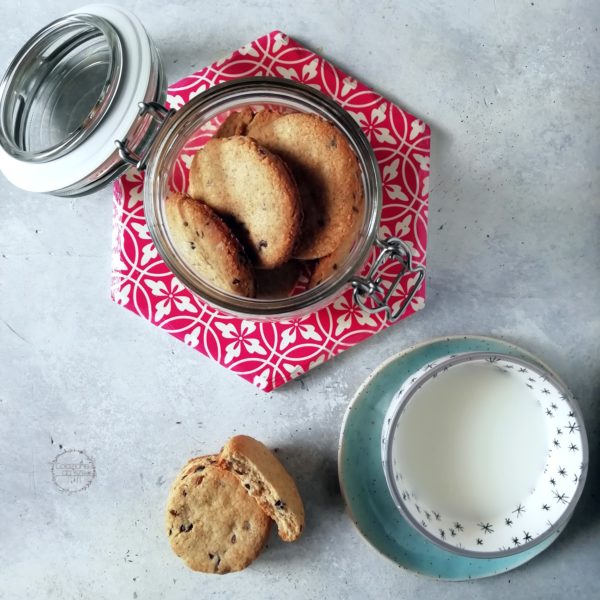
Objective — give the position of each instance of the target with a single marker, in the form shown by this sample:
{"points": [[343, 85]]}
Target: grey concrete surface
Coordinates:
{"points": [[511, 90]]}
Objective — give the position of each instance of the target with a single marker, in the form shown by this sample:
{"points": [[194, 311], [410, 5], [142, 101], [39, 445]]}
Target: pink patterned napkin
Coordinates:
{"points": [[267, 353]]}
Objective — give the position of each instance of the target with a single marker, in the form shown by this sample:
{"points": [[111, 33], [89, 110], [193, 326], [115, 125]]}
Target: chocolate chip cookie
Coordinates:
{"points": [[326, 171], [212, 523], [208, 245], [253, 190], [267, 481]]}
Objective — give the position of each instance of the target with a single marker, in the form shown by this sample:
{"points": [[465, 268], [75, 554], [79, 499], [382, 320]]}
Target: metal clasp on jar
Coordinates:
{"points": [[369, 293], [158, 113]]}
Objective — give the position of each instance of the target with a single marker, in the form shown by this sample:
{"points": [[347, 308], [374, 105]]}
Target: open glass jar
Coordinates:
{"points": [[58, 140]]}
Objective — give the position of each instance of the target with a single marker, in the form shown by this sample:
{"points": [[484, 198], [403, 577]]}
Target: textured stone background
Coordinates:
{"points": [[511, 90]]}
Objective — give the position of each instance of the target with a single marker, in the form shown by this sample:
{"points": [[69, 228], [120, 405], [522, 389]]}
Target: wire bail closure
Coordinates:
{"points": [[158, 113], [369, 288]]}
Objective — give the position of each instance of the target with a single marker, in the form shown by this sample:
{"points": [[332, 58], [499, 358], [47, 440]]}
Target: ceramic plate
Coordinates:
{"points": [[362, 479]]}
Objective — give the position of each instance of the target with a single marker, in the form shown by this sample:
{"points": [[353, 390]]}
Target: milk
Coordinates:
{"points": [[472, 442]]}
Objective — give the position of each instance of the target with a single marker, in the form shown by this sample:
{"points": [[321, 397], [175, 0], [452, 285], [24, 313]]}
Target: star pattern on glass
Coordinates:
{"points": [[520, 509], [545, 507], [558, 431], [549, 412], [573, 447], [572, 427], [428, 515], [545, 391], [492, 359], [571, 413], [405, 496], [452, 531], [418, 508], [556, 443], [424, 524], [562, 498], [552, 481], [430, 366], [553, 406], [486, 527], [458, 526], [531, 379], [516, 541], [529, 386], [527, 536], [523, 370], [575, 478], [508, 522], [479, 542], [437, 515], [442, 534], [562, 471]]}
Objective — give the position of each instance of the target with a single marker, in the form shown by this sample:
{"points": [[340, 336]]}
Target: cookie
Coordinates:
{"points": [[236, 123], [253, 190], [260, 119], [267, 481], [208, 245], [243, 122], [279, 282], [212, 523], [327, 173]]}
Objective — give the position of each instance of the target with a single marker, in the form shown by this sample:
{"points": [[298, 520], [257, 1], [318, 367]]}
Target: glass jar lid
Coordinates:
{"points": [[70, 93]]}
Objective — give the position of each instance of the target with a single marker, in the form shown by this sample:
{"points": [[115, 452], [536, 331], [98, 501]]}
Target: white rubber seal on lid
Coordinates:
{"points": [[79, 163]]}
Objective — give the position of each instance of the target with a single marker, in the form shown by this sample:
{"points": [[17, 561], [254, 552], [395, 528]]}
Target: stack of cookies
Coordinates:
{"points": [[221, 507], [271, 193]]}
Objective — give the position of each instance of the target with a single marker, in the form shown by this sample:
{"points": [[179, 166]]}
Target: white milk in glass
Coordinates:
{"points": [[472, 441]]}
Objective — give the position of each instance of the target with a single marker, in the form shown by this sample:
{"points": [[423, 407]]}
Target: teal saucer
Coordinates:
{"points": [[362, 480]]}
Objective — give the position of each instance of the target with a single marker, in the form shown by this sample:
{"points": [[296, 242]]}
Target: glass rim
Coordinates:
{"points": [[70, 31]]}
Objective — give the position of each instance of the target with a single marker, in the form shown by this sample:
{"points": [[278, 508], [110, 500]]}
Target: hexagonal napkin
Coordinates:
{"points": [[270, 353]]}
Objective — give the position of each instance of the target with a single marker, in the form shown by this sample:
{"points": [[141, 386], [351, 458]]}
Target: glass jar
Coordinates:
{"points": [[56, 140]]}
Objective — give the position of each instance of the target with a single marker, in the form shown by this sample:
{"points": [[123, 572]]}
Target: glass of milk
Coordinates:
{"points": [[470, 450]]}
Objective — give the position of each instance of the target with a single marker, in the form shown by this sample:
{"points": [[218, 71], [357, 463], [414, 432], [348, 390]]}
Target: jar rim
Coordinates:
{"points": [[236, 94], [47, 48]]}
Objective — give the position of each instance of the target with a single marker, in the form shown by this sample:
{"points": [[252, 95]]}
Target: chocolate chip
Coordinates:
{"points": [[261, 151], [170, 531], [184, 493], [192, 245], [334, 267], [185, 223], [247, 486], [189, 527], [235, 281], [233, 539], [199, 480], [201, 468], [173, 512], [333, 143], [246, 526], [262, 244], [280, 505]]}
